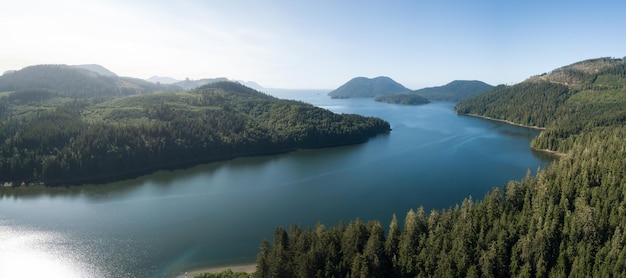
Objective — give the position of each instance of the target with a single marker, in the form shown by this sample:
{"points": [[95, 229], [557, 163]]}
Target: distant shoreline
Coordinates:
{"points": [[505, 121], [247, 268]]}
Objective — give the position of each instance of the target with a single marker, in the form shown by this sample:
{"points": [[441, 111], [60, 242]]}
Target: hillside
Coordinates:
{"points": [[567, 221], [57, 140], [76, 82], [362, 87], [568, 102], [456, 90]]}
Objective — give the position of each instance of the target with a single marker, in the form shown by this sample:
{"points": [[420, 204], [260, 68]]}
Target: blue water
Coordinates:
{"points": [[169, 222]]}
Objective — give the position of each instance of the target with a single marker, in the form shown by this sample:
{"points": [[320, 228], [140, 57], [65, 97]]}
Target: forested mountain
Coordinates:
{"points": [[54, 139], [71, 81], [456, 90], [568, 102], [408, 99], [366, 87], [567, 221]]}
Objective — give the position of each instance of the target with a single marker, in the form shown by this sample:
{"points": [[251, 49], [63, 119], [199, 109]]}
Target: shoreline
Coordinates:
{"points": [[247, 268], [555, 153], [505, 121]]}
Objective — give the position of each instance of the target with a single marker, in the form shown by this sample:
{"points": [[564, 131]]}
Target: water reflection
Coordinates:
{"points": [[26, 252]]}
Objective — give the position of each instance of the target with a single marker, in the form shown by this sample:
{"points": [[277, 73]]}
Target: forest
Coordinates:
{"points": [[568, 220], [60, 135]]}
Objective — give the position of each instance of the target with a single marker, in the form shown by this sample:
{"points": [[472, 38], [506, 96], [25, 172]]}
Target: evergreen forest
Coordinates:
{"points": [[60, 125], [569, 220]]}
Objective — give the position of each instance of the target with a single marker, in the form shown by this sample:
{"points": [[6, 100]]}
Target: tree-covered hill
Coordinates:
{"points": [[456, 90], [368, 87], [567, 221], [568, 102], [76, 82], [53, 139]]}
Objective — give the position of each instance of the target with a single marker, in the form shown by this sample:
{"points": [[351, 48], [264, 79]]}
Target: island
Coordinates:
{"points": [[407, 99]]}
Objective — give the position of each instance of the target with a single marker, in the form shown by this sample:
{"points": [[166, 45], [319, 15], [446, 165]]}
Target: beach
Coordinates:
{"points": [[248, 268]]}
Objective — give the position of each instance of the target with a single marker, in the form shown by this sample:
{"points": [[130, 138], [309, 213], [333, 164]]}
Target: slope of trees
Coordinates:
{"points": [[568, 102], [53, 140]]}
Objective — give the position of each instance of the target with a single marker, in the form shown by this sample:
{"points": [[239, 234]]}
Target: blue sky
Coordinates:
{"points": [[314, 44]]}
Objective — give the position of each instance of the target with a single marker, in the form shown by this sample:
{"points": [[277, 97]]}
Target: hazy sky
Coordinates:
{"points": [[313, 44]]}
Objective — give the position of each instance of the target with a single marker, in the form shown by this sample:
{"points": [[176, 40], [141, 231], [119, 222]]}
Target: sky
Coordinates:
{"points": [[313, 44]]}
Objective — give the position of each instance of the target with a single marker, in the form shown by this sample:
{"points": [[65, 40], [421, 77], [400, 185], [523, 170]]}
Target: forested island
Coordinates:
{"points": [[65, 125], [407, 99], [567, 221]]}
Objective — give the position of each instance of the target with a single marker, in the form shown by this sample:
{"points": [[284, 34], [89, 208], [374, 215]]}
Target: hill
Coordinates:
{"points": [[568, 102], [189, 84], [366, 87], [162, 79], [53, 139], [456, 90], [71, 81]]}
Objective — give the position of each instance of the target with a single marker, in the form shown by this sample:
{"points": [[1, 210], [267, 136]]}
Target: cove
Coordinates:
{"points": [[163, 224]]}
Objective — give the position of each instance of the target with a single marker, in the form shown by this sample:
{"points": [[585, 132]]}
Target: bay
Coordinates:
{"points": [[169, 222]]}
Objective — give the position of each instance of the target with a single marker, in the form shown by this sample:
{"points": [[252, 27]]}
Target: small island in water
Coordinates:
{"points": [[408, 99]]}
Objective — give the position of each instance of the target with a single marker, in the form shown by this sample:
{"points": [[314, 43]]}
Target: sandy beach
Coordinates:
{"points": [[248, 268]]}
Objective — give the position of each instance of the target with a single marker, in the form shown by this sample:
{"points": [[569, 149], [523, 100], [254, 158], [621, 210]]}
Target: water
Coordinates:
{"points": [[164, 224]]}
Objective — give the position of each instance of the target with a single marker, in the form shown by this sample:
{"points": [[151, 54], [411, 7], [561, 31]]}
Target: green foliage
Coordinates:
{"points": [[527, 103], [408, 99], [60, 141], [569, 102]]}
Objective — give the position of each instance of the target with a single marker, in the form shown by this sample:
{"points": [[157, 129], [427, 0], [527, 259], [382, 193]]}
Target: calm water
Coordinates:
{"points": [[163, 224]]}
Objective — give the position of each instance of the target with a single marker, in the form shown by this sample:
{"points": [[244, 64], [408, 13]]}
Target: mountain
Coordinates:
{"points": [[189, 84], [162, 80], [568, 102], [366, 87], [73, 81], [456, 90], [97, 69]]}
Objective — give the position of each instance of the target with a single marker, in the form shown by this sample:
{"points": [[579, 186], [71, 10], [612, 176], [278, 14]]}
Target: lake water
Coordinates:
{"points": [[169, 222]]}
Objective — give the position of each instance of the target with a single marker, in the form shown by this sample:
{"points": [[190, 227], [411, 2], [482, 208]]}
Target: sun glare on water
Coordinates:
{"points": [[28, 253]]}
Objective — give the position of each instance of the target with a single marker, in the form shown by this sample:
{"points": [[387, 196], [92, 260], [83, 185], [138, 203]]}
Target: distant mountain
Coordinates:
{"points": [[252, 85], [162, 80], [97, 69], [366, 87], [456, 90], [73, 81], [189, 84]]}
